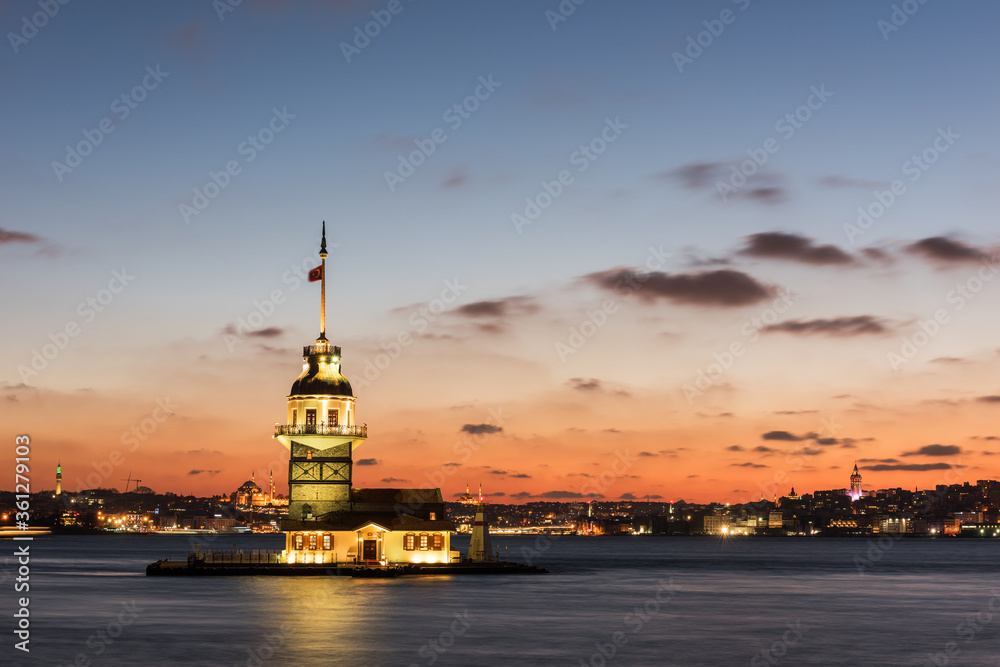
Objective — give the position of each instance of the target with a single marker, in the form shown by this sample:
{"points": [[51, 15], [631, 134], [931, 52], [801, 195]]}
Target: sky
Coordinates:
{"points": [[706, 251]]}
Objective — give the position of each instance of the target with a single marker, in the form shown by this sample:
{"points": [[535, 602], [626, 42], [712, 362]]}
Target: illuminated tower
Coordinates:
{"points": [[320, 433], [59, 478], [855, 484], [480, 550]]}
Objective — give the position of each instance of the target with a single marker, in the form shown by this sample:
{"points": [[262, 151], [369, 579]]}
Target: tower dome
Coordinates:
{"points": [[321, 374]]}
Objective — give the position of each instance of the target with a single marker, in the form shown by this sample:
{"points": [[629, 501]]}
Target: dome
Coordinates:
{"points": [[250, 486], [321, 376]]}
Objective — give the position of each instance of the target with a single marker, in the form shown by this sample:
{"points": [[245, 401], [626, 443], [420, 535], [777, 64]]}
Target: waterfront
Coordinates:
{"points": [[700, 601]]}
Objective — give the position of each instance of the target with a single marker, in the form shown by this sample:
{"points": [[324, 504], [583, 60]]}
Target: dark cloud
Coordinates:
{"points": [[748, 464], [520, 494], [840, 326], [837, 181], [367, 462], [481, 428], [784, 435], [204, 472], [521, 475], [646, 454], [989, 399], [935, 450], [792, 247], [9, 236], [627, 496], [769, 195], [764, 450], [513, 305], [555, 495], [945, 250], [734, 448], [912, 467], [498, 472], [878, 460], [457, 177], [390, 480], [267, 332], [594, 385], [764, 187], [723, 287], [697, 175]]}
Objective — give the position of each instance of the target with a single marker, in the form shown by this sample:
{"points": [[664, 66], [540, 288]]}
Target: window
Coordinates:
{"points": [[327, 541], [310, 416], [298, 541], [434, 516], [312, 541], [332, 417], [295, 417], [424, 541], [437, 542], [409, 542]]}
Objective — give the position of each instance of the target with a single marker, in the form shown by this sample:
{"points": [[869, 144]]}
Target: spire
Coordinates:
{"points": [[322, 295]]}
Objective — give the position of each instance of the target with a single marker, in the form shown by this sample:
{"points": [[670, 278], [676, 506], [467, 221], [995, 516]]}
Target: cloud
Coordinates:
{"points": [[521, 475], [795, 248], [481, 428], [840, 326], [204, 472], [520, 494], [267, 332], [646, 454], [764, 187], [390, 480], [764, 450], [989, 399], [456, 177], [697, 175], [367, 462], [724, 287], [935, 450], [784, 435], [734, 448], [945, 250], [10, 236], [748, 464], [554, 495], [837, 181], [912, 467], [627, 496], [512, 305], [594, 385]]}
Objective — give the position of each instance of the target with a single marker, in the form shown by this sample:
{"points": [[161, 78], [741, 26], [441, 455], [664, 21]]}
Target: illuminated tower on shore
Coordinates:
{"points": [[855, 484], [59, 478], [320, 434], [480, 549]]}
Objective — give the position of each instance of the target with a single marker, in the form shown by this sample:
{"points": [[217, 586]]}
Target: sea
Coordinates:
{"points": [[638, 600]]}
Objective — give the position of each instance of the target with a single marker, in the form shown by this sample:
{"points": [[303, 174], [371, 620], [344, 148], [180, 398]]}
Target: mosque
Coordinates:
{"points": [[330, 521]]}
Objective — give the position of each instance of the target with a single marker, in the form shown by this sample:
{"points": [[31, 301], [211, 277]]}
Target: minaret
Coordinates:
{"points": [[320, 433], [59, 478], [855, 484], [480, 550]]}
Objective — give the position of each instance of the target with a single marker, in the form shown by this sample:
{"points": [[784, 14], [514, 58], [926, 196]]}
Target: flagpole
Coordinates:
{"points": [[322, 297]]}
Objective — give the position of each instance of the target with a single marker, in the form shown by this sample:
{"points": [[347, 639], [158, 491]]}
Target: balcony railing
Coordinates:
{"points": [[326, 348], [353, 431]]}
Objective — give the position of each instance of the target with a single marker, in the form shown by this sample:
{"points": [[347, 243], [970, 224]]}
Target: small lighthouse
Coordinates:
{"points": [[480, 549], [59, 478]]}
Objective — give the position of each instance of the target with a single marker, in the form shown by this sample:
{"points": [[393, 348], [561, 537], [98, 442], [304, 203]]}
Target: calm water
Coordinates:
{"points": [[721, 602]]}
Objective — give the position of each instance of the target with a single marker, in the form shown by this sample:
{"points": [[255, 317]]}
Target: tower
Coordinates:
{"points": [[59, 478], [480, 549], [855, 484], [320, 434]]}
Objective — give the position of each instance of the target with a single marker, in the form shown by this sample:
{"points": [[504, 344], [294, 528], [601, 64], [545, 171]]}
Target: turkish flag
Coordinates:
{"points": [[316, 274]]}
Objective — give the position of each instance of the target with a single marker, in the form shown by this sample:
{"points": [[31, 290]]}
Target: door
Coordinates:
{"points": [[310, 420], [369, 550]]}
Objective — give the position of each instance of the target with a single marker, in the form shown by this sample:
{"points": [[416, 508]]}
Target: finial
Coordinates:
{"points": [[322, 243]]}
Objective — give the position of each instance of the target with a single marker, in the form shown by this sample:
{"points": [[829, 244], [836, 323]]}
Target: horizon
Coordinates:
{"points": [[569, 254]]}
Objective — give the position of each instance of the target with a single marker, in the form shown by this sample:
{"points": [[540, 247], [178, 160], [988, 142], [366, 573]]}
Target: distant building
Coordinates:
{"points": [[855, 484]]}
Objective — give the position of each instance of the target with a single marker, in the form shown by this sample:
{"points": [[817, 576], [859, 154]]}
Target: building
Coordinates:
{"points": [[59, 478], [855, 484], [329, 521]]}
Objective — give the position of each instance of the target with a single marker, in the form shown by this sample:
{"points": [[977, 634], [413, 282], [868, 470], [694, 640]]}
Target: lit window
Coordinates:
{"points": [[332, 417], [424, 541], [437, 543], [298, 540], [434, 516], [312, 541], [409, 542], [327, 542], [295, 417]]}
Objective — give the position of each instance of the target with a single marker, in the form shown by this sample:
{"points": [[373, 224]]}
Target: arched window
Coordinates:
{"points": [[437, 542], [424, 541], [409, 542], [327, 541], [298, 540], [312, 541]]}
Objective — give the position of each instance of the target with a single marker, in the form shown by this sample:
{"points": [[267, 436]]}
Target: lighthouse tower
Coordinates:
{"points": [[480, 549], [330, 521], [59, 478], [321, 434], [855, 484]]}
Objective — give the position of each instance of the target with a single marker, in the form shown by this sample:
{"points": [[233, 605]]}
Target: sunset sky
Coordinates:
{"points": [[707, 250]]}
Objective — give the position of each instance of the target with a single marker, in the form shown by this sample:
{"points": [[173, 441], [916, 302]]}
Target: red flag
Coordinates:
{"points": [[316, 274]]}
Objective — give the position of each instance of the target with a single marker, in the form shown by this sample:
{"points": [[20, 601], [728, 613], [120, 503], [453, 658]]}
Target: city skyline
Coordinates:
{"points": [[545, 264]]}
